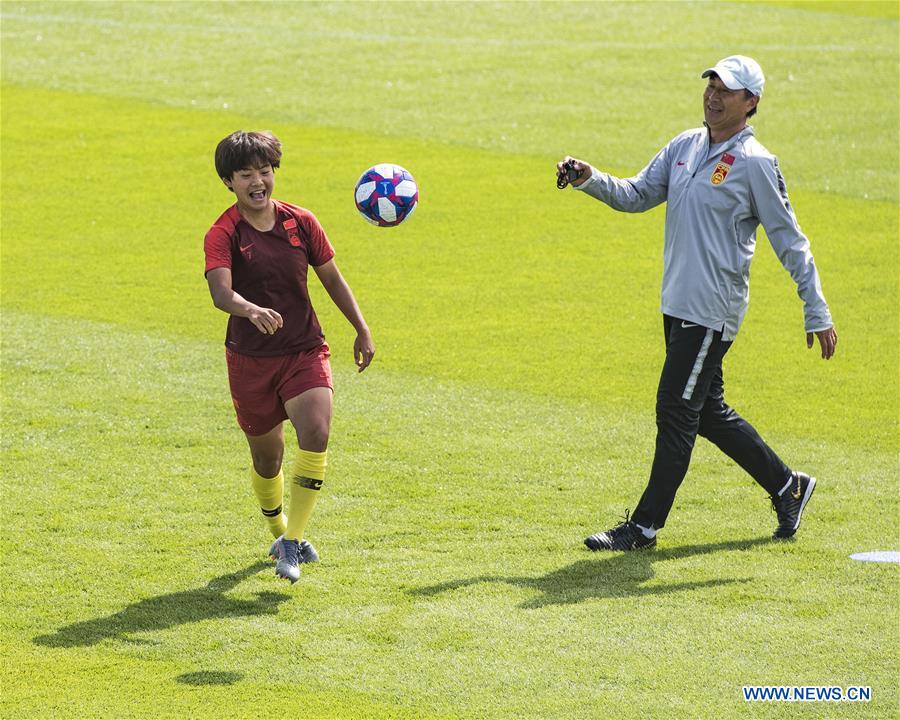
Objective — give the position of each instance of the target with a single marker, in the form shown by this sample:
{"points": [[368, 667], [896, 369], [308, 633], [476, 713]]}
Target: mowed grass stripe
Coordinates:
{"points": [[492, 75], [498, 280], [450, 535]]}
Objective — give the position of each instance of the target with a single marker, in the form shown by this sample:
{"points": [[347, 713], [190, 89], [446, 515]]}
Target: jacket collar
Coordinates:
{"points": [[747, 131]]}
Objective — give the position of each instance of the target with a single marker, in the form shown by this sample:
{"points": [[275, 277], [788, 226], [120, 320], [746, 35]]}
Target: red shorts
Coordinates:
{"points": [[260, 386]]}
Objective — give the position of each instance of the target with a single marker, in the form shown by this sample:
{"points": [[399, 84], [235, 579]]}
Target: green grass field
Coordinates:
{"points": [[509, 410]]}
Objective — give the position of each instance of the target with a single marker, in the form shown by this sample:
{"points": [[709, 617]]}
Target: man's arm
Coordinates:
{"points": [[646, 190], [773, 208]]}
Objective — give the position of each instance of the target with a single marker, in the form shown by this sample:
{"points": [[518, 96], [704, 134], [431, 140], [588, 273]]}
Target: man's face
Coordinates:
{"points": [[253, 186], [725, 109]]}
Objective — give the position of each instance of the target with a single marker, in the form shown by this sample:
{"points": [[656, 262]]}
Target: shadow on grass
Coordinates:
{"points": [[209, 677], [165, 611], [605, 575]]}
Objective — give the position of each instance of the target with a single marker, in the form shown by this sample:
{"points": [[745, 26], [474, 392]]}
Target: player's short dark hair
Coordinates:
{"points": [[747, 96], [244, 149]]}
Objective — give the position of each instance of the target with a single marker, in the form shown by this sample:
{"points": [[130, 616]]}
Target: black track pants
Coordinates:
{"points": [[689, 402]]}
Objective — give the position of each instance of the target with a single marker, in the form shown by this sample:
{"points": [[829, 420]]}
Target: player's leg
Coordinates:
{"points": [[308, 405], [789, 491], [261, 415], [267, 478], [310, 413]]}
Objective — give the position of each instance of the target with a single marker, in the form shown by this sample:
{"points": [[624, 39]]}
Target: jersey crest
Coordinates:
{"points": [[293, 235]]}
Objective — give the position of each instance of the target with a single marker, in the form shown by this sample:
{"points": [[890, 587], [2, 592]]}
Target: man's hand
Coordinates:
{"points": [[582, 168], [827, 340]]}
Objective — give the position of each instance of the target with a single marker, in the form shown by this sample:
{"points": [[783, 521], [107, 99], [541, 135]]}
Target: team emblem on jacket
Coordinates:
{"points": [[722, 168]]}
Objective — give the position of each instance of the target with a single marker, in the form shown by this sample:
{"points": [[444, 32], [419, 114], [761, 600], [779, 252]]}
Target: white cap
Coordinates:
{"points": [[738, 72]]}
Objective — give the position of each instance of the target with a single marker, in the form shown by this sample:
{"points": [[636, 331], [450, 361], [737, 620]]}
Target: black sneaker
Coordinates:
{"points": [[625, 536], [789, 505]]}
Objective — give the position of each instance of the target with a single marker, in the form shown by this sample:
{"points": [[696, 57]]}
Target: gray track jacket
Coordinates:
{"points": [[716, 198]]}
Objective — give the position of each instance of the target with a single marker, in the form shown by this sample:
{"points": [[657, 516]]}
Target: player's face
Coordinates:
{"points": [[253, 187], [724, 109]]}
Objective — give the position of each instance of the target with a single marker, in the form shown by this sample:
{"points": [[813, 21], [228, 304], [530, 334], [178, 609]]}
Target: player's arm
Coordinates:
{"points": [[226, 299], [342, 296]]}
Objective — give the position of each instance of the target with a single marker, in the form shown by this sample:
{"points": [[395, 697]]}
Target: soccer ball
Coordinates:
{"points": [[386, 195]]}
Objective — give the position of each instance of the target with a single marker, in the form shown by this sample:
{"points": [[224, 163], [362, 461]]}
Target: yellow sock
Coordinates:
{"points": [[270, 494], [309, 472]]}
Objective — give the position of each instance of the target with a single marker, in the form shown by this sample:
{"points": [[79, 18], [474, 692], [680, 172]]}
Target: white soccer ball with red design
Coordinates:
{"points": [[386, 195]]}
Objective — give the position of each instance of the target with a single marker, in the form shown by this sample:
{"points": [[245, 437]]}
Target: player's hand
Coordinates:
{"points": [[266, 320], [583, 168], [363, 350], [827, 340]]}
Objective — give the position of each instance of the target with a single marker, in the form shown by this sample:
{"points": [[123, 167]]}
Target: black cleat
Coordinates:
{"points": [[789, 505], [625, 536]]}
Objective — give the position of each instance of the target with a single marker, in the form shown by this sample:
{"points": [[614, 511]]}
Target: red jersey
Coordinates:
{"points": [[269, 269]]}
